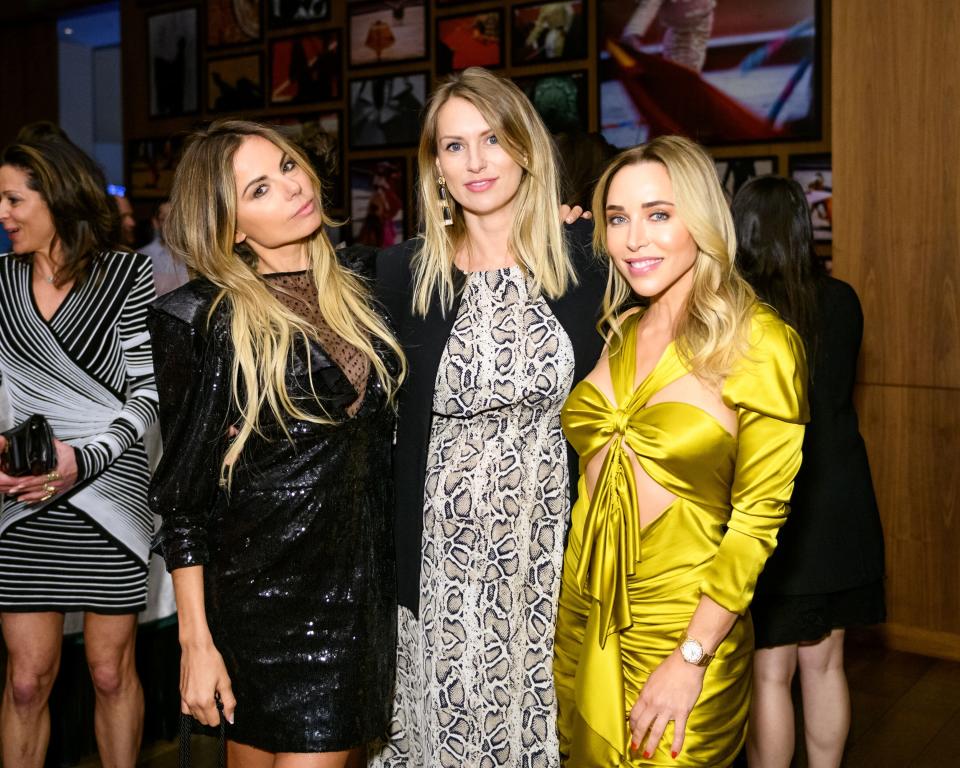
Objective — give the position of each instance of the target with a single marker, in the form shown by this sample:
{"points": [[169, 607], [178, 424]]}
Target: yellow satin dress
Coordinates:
{"points": [[629, 592]]}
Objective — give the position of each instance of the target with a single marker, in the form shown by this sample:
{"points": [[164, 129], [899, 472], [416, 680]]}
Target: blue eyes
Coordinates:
{"points": [[456, 146], [619, 218]]}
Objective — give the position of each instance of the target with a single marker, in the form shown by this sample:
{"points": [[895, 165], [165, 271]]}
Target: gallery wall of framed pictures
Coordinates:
{"points": [[350, 78]]}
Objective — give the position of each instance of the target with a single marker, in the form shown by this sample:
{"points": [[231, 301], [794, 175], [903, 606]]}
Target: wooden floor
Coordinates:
{"points": [[906, 714]]}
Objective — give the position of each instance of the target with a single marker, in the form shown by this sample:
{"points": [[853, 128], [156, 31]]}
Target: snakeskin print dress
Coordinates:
{"points": [[475, 678]]}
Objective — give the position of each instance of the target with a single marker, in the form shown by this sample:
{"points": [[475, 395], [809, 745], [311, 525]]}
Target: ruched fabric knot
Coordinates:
{"points": [[621, 420]]}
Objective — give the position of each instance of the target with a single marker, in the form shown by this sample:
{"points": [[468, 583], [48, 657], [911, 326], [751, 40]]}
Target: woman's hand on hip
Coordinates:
{"points": [[31, 489], [203, 675], [670, 693]]}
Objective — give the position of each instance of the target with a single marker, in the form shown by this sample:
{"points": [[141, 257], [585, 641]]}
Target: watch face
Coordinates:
{"points": [[691, 651]]}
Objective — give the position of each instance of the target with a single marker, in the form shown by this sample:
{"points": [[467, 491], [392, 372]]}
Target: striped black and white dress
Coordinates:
{"points": [[89, 370]]}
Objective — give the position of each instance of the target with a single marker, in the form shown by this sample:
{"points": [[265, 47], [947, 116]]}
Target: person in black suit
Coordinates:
{"points": [[827, 571]]}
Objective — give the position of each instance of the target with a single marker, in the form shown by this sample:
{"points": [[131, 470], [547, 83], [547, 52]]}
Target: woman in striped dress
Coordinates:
{"points": [[74, 348]]}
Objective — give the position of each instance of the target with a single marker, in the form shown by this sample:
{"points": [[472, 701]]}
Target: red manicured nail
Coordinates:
{"points": [[674, 755], [646, 754], [633, 745]]}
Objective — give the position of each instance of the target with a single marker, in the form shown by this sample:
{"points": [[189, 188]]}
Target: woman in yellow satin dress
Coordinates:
{"points": [[689, 432]]}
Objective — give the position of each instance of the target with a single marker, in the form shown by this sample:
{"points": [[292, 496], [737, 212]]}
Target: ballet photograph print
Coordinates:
{"points": [[548, 32], [172, 57], [470, 40], [720, 73], [306, 69], [385, 111], [235, 83], [387, 32]]}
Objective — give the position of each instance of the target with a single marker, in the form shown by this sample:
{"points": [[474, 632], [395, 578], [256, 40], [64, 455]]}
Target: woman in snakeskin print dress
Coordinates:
{"points": [[496, 315]]}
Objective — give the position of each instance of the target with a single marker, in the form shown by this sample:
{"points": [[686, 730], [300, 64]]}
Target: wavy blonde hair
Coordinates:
{"points": [[712, 333], [536, 237], [201, 230]]}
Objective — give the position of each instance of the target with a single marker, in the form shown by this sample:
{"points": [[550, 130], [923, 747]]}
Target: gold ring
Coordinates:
{"points": [[49, 489], [44, 498], [53, 475]]}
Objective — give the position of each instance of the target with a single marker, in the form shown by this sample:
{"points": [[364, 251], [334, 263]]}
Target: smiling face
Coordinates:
{"points": [[650, 245], [277, 206], [479, 172], [24, 214]]}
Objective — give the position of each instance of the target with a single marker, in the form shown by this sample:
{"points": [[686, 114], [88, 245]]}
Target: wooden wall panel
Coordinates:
{"points": [[896, 123], [913, 437], [896, 119]]}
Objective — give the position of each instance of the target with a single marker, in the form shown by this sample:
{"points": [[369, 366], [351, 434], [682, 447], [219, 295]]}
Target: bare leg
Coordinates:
{"points": [[118, 718], [244, 756], [826, 700], [33, 658], [771, 737]]}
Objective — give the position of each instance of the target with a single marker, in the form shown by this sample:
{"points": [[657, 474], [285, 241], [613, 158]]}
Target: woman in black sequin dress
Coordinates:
{"points": [[276, 418]]}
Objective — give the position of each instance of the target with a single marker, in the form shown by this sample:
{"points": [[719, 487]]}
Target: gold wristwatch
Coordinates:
{"points": [[692, 651]]}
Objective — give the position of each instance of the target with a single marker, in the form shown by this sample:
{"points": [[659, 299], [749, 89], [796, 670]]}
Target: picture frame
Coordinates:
{"points": [[378, 195], [470, 40], [320, 136], [172, 63], [381, 32], [561, 98], [293, 13], [235, 83], [151, 164], [749, 72], [233, 22], [814, 172], [546, 33], [306, 68], [734, 172], [385, 110]]}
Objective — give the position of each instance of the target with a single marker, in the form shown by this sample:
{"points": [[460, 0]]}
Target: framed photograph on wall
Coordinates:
{"points": [[815, 174], [548, 32], [172, 63], [386, 32], [470, 40], [734, 172], [151, 164], [385, 111], [378, 190], [306, 69], [288, 13], [232, 22], [731, 73], [320, 136], [235, 83], [560, 98]]}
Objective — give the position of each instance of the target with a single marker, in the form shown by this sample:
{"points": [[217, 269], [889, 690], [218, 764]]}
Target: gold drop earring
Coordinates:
{"points": [[444, 205]]}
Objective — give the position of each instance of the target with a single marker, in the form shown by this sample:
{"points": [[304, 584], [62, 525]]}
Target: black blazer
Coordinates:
{"points": [[832, 539], [423, 340]]}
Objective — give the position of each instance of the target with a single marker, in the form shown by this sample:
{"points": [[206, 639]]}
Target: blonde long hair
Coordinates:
{"points": [[201, 229], [536, 237], [712, 333]]}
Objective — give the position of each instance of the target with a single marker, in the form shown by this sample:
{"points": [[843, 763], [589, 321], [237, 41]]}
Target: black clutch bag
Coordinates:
{"points": [[29, 448]]}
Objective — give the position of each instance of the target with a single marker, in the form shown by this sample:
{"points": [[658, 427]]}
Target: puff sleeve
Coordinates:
{"points": [[768, 392], [193, 378]]}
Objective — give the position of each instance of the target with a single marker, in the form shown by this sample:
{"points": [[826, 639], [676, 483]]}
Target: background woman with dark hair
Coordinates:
{"points": [[827, 570], [73, 348]]}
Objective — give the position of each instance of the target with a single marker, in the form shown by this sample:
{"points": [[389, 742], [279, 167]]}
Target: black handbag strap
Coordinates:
{"points": [[186, 731]]}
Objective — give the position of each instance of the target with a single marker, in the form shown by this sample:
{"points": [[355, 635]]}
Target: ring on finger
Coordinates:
{"points": [[49, 488], [48, 496], [54, 475]]}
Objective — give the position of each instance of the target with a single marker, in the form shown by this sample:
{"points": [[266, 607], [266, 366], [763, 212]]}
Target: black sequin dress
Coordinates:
{"points": [[298, 564]]}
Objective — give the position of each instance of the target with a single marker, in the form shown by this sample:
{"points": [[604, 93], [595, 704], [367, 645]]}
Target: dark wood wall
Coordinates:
{"points": [[897, 240]]}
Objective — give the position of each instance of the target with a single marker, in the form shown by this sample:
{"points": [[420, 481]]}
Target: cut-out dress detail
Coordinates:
{"points": [[628, 592]]}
